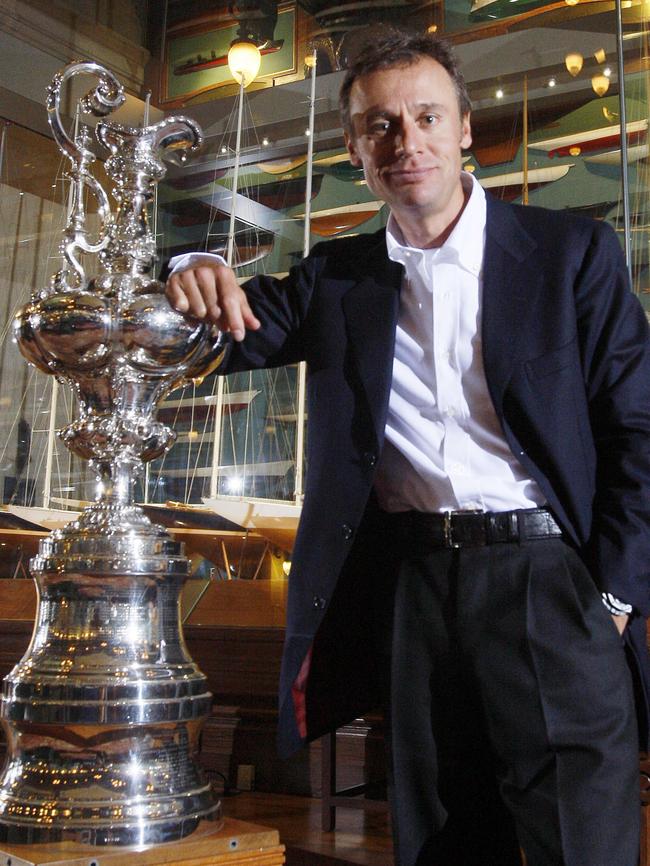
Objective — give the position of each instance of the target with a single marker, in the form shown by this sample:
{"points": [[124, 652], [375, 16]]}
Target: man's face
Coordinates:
{"points": [[407, 133]]}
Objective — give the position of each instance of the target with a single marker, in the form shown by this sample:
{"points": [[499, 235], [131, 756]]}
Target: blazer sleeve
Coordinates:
{"points": [[282, 306], [615, 350]]}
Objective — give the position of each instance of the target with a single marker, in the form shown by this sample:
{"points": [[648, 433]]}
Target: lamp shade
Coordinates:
{"points": [[574, 62], [600, 84], [244, 60]]}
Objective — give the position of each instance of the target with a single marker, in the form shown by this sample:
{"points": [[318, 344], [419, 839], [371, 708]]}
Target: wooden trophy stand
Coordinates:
{"points": [[237, 843]]}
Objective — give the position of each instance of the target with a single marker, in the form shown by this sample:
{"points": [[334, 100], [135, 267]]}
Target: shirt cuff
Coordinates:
{"points": [[191, 260], [615, 606]]}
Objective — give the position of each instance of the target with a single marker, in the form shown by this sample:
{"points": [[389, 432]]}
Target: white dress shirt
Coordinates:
{"points": [[445, 449]]}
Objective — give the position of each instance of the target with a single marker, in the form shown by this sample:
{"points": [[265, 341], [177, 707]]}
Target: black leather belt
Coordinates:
{"points": [[430, 531]]}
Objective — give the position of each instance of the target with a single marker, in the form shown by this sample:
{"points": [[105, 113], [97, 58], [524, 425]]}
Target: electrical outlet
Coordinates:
{"points": [[245, 777]]}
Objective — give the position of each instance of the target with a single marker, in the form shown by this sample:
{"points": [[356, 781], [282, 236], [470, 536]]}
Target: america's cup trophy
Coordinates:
{"points": [[103, 713]]}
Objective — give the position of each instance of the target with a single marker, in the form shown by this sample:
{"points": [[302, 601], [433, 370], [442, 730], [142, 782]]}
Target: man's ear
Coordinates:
{"points": [[355, 159], [465, 132]]}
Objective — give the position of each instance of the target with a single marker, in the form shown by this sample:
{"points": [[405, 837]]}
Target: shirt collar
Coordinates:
{"points": [[464, 246]]}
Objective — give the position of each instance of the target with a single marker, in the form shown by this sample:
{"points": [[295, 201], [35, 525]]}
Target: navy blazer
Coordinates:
{"points": [[567, 362]]}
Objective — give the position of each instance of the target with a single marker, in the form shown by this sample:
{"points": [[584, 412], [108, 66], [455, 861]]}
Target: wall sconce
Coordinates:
{"points": [[574, 63]]}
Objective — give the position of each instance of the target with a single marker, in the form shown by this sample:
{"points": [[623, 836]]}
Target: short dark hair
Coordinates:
{"points": [[398, 48]]}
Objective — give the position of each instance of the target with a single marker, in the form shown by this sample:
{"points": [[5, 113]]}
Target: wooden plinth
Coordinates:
{"points": [[237, 843]]}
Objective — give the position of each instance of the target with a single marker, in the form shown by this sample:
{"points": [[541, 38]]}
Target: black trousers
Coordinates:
{"points": [[511, 713]]}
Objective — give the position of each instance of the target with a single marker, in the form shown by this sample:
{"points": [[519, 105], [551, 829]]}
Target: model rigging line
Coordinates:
{"points": [[623, 119], [638, 217], [235, 177], [60, 476], [161, 460], [247, 427], [68, 475], [214, 187], [51, 433], [525, 142], [188, 479], [218, 412], [218, 427], [32, 371], [255, 143], [197, 458], [49, 449], [298, 491], [26, 475], [287, 446], [200, 444]]}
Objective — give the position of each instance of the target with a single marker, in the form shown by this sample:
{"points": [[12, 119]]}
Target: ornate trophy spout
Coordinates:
{"points": [[102, 714]]}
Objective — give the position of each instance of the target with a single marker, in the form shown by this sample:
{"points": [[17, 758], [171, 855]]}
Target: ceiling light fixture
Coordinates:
{"points": [[244, 61], [600, 84], [573, 62]]}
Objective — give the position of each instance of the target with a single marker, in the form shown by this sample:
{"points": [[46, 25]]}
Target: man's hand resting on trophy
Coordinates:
{"points": [[206, 288]]}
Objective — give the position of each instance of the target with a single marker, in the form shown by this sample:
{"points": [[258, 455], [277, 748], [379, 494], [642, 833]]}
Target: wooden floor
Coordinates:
{"points": [[360, 838]]}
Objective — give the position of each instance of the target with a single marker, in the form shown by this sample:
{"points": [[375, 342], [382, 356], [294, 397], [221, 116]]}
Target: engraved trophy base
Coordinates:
{"points": [[235, 843], [103, 713]]}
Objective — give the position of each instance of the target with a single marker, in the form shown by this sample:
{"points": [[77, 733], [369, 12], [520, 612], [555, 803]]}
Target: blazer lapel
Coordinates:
{"points": [[509, 281], [371, 308]]}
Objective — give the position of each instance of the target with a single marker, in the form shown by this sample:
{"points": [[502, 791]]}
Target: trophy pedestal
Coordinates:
{"points": [[237, 843]]}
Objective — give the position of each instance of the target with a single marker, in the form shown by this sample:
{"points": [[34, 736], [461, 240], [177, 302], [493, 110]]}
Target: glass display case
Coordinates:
{"points": [[547, 131]]}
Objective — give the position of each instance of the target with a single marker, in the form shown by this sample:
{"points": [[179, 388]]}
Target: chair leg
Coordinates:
{"points": [[328, 781]]}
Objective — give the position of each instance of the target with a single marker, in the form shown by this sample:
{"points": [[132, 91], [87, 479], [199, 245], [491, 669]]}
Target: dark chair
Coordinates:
{"points": [[355, 797]]}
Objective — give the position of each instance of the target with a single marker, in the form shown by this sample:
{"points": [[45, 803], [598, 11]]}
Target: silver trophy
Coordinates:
{"points": [[103, 713]]}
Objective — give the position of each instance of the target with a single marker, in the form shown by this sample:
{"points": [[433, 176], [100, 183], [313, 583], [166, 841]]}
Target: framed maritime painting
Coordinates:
{"points": [[196, 55]]}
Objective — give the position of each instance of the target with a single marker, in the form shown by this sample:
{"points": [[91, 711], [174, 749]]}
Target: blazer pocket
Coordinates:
{"points": [[551, 362]]}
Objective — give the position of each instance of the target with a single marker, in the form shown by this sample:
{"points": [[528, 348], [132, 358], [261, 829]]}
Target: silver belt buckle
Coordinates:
{"points": [[447, 526]]}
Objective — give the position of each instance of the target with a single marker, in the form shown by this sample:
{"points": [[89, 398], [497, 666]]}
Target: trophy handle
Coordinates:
{"points": [[104, 99]]}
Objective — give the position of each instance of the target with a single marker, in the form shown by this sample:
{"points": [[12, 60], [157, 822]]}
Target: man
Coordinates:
{"points": [[479, 462]]}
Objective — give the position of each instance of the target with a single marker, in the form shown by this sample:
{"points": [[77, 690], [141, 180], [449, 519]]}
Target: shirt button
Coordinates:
{"points": [[347, 531], [318, 603]]}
